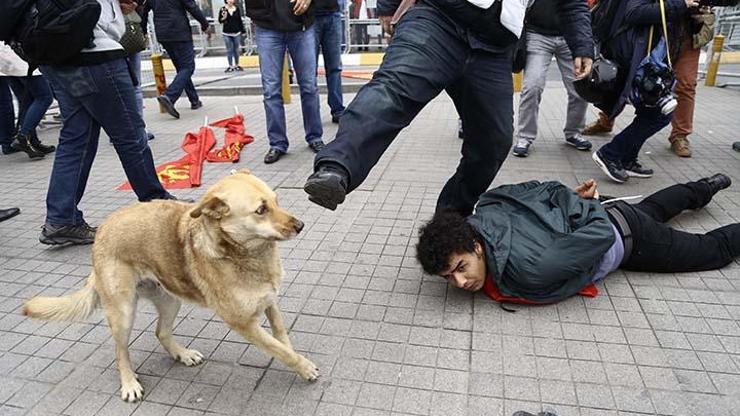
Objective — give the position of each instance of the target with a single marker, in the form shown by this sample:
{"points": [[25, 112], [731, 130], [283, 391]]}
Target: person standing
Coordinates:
{"points": [[452, 45], [230, 16], [172, 26], [286, 24], [544, 37], [329, 40], [94, 90]]}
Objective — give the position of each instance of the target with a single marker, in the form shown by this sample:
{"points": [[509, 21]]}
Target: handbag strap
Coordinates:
{"points": [[665, 34]]}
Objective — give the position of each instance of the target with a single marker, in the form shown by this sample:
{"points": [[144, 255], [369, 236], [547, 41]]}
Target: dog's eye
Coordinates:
{"points": [[261, 210]]}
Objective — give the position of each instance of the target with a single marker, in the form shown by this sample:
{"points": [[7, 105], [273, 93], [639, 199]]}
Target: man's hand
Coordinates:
{"points": [[204, 27], [582, 66], [691, 3], [385, 23], [128, 6], [587, 190], [300, 6]]}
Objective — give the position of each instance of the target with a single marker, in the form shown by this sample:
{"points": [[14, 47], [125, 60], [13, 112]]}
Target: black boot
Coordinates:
{"points": [[45, 149], [328, 185], [23, 143], [717, 182]]}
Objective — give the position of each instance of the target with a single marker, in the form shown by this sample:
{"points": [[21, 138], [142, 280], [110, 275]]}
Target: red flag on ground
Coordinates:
{"points": [[234, 139]]}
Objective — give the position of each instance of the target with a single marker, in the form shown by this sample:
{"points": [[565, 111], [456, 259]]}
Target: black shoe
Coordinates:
{"points": [[196, 105], [45, 149], [327, 186], [736, 146], [67, 234], [613, 169], [22, 142], [273, 156], [317, 146], [9, 149], [168, 106], [149, 135], [717, 182], [635, 169], [238, 68], [8, 213], [578, 142], [335, 118]]}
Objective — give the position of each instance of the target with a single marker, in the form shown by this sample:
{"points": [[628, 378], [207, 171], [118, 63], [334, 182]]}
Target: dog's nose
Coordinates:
{"points": [[297, 225]]}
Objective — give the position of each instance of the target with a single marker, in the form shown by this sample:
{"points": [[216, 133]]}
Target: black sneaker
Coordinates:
{"points": [[317, 146], [327, 186], [168, 106], [196, 105], [578, 142], [635, 169], [612, 169], [717, 182], [67, 234]]}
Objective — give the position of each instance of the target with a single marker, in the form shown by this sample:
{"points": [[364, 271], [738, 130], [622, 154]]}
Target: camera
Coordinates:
{"points": [[653, 87]]}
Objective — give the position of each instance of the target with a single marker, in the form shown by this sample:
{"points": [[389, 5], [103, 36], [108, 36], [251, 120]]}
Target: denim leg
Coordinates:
{"points": [[272, 45], [424, 57], [228, 44], [626, 145], [36, 98], [7, 113], [328, 36], [576, 116], [540, 50], [78, 143], [301, 46], [483, 99], [135, 59], [183, 58]]}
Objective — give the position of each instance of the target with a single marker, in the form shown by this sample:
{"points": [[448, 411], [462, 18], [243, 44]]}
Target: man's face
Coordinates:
{"points": [[467, 271]]}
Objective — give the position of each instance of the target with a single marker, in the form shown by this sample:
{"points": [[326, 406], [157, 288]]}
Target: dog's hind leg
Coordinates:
{"points": [[254, 333], [167, 307], [277, 325], [117, 289]]}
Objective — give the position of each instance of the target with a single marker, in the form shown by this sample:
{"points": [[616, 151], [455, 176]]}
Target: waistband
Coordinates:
{"points": [[619, 221]]}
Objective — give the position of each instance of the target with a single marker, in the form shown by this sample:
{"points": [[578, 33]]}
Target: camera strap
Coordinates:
{"points": [[665, 35]]}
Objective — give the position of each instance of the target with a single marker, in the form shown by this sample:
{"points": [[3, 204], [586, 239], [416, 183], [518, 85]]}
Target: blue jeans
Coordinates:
{"points": [[232, 49], [183, 58], [7, 113], [302, 48], [428, 54], [328, 37], [625, 146], [135, 60], [34, 98], [91, 97]]}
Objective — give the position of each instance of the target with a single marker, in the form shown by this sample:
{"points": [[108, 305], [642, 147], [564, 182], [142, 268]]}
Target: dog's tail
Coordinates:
{"points": [[73, 307]]}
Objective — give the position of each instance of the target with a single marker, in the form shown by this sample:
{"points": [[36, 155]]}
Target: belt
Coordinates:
{"points": [[624, 230]]}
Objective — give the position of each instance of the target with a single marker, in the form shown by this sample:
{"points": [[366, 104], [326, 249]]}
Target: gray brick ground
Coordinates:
{"points": [[388, 339]]}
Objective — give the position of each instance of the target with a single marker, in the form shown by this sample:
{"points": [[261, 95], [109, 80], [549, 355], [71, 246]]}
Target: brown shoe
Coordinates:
{"points": [[680, 146], [601, 126]]}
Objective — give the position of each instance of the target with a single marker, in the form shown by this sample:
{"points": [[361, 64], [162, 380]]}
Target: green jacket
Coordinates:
{"points": [[543, 242]]}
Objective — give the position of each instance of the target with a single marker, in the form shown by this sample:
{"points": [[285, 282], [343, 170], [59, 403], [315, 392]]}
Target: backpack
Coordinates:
{"points": [[49, 31]]}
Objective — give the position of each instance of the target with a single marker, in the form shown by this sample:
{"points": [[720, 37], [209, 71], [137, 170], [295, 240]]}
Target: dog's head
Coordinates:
{"points": [[245, 208]]}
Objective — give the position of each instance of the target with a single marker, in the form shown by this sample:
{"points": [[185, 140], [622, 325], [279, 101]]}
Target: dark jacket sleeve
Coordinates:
{"points": [[387, 7], [144, 13], [646, 12], [194, 11], [576, 21]]}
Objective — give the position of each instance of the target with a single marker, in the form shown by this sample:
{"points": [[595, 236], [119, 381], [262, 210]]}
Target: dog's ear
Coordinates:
{"points": [[213, 207]]}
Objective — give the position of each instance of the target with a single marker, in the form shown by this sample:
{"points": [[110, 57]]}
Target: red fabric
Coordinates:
{"points": [[489, 287], [234, 140]]}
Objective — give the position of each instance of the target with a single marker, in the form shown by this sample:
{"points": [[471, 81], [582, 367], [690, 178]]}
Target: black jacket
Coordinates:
{"points": [[326, 6], [543, 18], [171, 21], [486, 24], [278, 15], [232, 22]]}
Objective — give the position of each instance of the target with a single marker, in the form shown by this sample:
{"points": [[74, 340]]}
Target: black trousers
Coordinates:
{"points": [[659, 248], [428, 54]]}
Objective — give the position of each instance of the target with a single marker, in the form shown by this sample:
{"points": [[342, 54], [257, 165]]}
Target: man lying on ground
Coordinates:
{"points": [[542, 242]]}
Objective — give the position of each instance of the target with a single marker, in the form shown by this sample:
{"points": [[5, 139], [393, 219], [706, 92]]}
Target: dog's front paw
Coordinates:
{"points": [[132, 391], [306, 369], [189, 357]]}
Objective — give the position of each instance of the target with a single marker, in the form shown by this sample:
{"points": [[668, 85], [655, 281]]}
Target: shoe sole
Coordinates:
{"points": [[325, 192], [638, 175], [583, 148], [520, 154], [169, 107], [604, 169], [57, 241]]}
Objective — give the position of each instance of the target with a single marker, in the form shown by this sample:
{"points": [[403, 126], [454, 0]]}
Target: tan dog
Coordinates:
{"points": [[220, 253]]}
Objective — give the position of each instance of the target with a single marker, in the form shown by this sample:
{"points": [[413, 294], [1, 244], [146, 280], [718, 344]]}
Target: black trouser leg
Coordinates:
{"points": [[669, 202], [483, 100]]}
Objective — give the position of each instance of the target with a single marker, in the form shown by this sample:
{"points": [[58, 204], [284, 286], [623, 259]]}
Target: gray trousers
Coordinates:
{"points": [[540, 50]]}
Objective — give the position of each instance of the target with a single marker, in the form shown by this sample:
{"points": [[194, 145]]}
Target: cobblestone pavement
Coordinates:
{"points": [[388, 339]]}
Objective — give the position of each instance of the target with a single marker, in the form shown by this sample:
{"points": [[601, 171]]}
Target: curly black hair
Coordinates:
{"points": [[447, 233]]}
